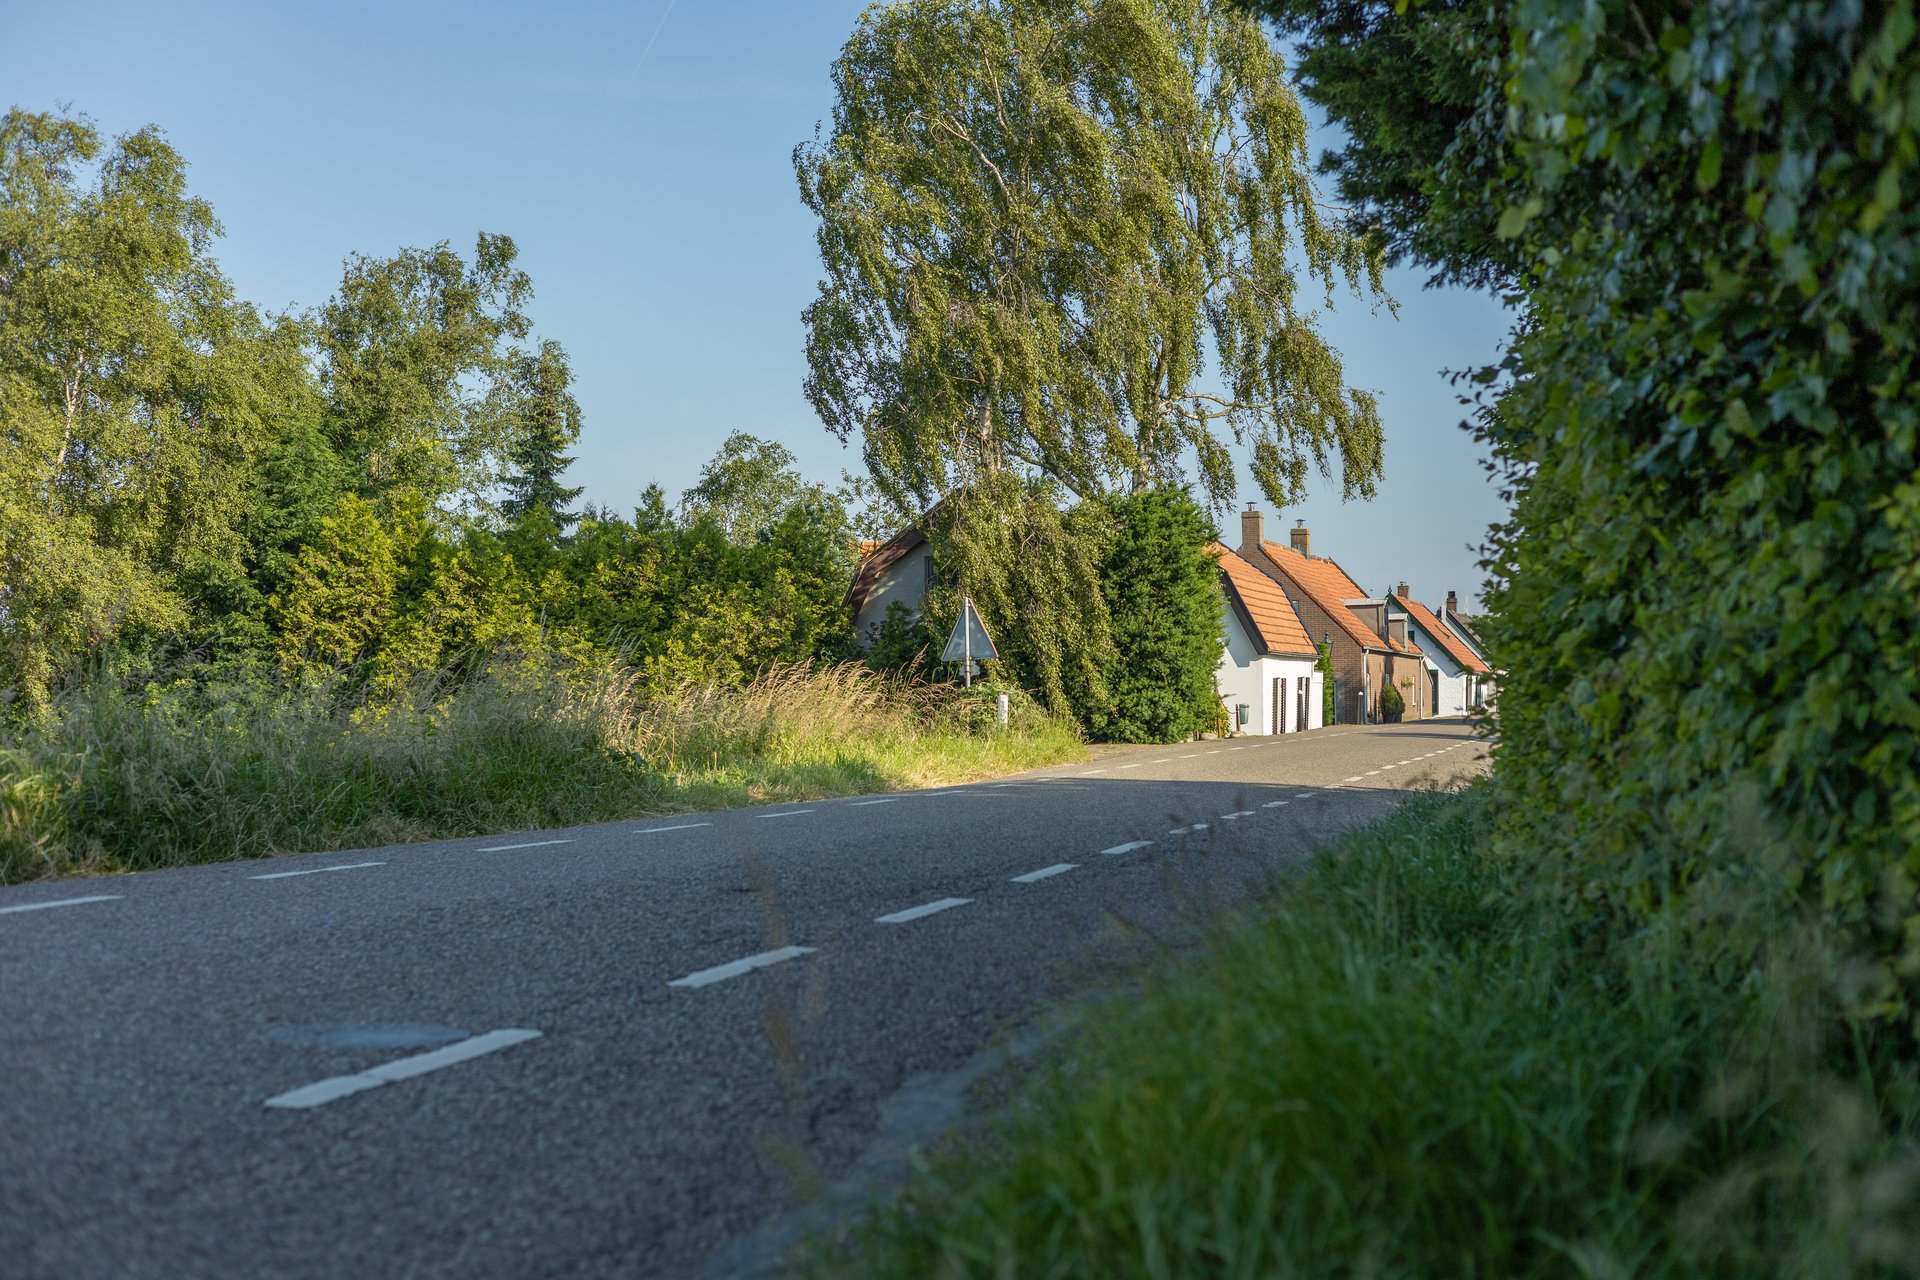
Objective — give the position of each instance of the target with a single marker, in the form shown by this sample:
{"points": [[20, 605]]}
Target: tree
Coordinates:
{"points": [[128, 414], [413, 352], [749, 486], [1163, 595], [548, 423], [1039, 217]]}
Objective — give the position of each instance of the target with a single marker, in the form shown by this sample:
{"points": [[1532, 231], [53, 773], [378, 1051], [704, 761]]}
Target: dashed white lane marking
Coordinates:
{"points": [[1161, 760], [1133, 766], [794, 813], [1355, 778], [418, 1064], [734, 968], [1371, 772], [925, 909], [1058, 868], [60, 902], [1274, 804], [1301, 795], [1216, 751], [1181, 831], [345, 866], [1238, 813], [531, 844], [1128, 847], [884, 800], [1089, 773], [1190, 755], [683, 826]]}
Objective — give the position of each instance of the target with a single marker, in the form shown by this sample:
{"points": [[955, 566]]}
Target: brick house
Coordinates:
{"points": [[1371, 647]]}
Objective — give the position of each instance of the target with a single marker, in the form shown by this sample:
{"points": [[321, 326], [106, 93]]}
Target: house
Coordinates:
{"points": [[897, 570], [1370, 647], [1467, 631], [1266, 675], [1454, 671]]}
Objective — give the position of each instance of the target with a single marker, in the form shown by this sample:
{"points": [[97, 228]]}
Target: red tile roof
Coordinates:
{"points": [[1327, 585], [1276, 626], [1448, 641]]}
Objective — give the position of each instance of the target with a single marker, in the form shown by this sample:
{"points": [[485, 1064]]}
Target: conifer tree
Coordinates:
{"points": [[549, 422]]}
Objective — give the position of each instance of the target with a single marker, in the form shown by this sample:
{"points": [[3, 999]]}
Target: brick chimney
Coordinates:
{"points": [[1250, 532], [1298, 536], [1453, 603], [1403, 593]]}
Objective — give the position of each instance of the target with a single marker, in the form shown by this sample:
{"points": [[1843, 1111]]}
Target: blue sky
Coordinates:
{"points": [[654, 205]]}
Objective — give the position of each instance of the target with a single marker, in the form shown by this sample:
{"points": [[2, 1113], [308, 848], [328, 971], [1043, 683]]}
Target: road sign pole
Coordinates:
{"points": [[966, 607]]}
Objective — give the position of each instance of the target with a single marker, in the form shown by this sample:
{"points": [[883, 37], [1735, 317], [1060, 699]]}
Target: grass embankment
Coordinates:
{"points": [[198, 771], [1414, 1064]]}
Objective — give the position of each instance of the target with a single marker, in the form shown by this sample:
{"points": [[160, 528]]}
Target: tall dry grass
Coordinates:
{"points": [[207, 769]]}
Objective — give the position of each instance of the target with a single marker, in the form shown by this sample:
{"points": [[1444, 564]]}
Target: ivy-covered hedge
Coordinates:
{"points": [[1707, 601]]}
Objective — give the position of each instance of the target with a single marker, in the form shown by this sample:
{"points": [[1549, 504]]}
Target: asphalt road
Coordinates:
{"points": [[303, 1067]]}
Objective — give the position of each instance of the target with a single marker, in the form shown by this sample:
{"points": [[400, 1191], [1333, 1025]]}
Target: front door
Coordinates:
{"points": [[1300, 701]]}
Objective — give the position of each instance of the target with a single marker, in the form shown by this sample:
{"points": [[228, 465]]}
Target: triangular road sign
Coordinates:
{"points": [[970, 638]]}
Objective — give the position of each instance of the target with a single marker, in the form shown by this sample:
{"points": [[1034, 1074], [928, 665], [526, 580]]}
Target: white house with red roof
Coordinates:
{"points": [[1266, 677]]}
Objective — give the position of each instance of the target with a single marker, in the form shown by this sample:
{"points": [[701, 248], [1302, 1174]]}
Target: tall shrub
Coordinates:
{"points": [[1705, 600]]}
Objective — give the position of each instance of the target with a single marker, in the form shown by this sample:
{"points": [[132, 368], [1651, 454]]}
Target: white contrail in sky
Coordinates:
{"points": [[649, 49]]}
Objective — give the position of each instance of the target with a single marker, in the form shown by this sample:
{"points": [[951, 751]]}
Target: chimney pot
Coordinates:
{"points": [[1250, 530], [1298, 535]]}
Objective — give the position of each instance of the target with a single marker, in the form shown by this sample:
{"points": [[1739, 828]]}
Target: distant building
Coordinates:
{"points": [[1370, 644], [1455, 672], [1266, 675]]}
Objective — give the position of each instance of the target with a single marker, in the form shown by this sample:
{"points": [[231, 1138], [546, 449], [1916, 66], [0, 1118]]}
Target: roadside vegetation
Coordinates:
{"points": [[131, 776], [1418, 1061]]}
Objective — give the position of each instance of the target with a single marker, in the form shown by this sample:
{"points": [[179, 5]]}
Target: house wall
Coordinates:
{"points": [[906, 581], [1454, 678], [1245, 675]]}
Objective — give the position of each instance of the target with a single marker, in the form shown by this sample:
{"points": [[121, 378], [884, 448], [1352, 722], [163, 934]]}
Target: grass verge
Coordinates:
{"points": [[1413, 1064], [206, 770]]}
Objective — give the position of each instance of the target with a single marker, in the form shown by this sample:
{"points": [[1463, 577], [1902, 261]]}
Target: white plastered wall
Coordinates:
{"points": [[1246, 676]]}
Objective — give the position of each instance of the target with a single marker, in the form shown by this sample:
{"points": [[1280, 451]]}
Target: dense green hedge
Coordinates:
{"points": [[1705, 601]]}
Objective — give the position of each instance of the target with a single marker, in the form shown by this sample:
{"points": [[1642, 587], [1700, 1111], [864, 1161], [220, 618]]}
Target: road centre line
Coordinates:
{"points": [[1355, 778], [1058, 868], [418, 1064], [345, 866], [883, 800], [1238, 813], [1135, 765], [1216, 751], [684, 826], [1190, 755], [1301, 795], [1128, 847], [60, 902], [925, 909], [1274, 804], [1089, 773], [531, 844], [734, 968], [794, 813]]}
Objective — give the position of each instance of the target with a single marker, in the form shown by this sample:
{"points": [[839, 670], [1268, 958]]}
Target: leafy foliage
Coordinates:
{"points": [[1704, 601], [1036, 220], [1163, 597]]}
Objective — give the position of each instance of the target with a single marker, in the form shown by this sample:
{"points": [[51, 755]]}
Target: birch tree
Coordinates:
{"points": [[1078, 238]]}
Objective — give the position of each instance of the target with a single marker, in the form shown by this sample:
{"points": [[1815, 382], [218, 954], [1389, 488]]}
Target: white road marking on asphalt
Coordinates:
{"points": [[1128, 847], [1355, 778], [1301, 795], [345, 866], [885, 800], [1238, 813], [1216, 751], [926, 909], [1274, 804], [418, 1064], [734, 968], [684, 826], [532, 844], [794, 813], [1133, 766], [1058, 868], [1190, 755], [1089, 773], [60, 902], [1371, 772]]}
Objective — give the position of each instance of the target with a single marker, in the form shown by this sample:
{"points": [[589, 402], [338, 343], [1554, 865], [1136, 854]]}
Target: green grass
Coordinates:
{"points": [[1412, 1064], [127, 778]]}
